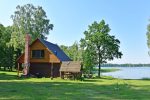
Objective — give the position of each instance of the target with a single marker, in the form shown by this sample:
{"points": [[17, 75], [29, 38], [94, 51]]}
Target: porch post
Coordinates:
{"points": [[18, 70], [52, 71], [60, 74]]}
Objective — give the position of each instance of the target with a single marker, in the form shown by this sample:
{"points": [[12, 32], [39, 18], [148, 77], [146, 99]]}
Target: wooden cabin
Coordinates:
{"points": [[70, 69], [45, 58]]}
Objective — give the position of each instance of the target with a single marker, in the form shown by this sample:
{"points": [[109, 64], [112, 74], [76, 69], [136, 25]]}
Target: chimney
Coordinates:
{"points": [[27, 55]]}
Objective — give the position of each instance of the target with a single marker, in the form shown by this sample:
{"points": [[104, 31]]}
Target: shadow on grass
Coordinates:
{"points": [[107, 77], [92, 80], [5, 76], [96, 79], [70, 91]]}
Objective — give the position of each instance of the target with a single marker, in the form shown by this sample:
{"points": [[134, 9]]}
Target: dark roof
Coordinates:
{"points": [[56, 50], [70, 66]]}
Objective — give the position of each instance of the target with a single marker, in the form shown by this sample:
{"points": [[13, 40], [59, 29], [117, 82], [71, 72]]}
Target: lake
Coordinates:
{"points": [[129, 72]]}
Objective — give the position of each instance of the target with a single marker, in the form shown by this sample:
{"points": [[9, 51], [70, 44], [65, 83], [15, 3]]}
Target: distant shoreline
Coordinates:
{"points": [[125, 65]]}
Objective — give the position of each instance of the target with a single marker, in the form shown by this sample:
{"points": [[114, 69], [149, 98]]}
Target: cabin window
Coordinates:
{"points": [[37, 53]]}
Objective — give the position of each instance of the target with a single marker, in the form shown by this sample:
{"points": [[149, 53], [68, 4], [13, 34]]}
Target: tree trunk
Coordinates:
{"points": [[4, 68], [99, 64], [90, 70], [99, 69], [11, 68]]}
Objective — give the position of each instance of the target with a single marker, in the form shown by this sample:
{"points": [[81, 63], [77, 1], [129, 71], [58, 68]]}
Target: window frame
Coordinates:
{"points": [[35, 56]]}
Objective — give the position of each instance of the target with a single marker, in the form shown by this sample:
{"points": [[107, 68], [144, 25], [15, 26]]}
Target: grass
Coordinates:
{"points": [[109, 70], [105, 70], [106, 88]]}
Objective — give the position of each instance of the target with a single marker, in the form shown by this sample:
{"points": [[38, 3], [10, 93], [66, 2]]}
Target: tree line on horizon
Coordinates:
{"points": [[95, 49], [125, 65]]}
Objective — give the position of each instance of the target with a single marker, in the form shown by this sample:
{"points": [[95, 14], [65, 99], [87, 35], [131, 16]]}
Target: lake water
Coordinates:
{"points": [[129, 72]]}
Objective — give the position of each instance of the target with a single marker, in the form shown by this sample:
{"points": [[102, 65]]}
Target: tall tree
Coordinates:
{"points": [[2, 44], [148, 37], [106, 47], [29, 19], [6, 51]]}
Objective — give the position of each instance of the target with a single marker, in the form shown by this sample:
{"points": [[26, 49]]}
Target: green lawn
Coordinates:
{"points": [[91, 89]]}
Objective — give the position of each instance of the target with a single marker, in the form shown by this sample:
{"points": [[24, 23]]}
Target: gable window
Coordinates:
{"points": [[37, 53]]}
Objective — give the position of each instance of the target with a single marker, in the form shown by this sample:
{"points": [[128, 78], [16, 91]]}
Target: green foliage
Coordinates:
{"points": [[29, 19], [102, 45], [89, 60], [74, 51], [148, 37], [26, 19], [6, 51]]}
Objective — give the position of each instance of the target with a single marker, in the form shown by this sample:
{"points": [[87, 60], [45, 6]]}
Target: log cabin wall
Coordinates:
{"points": [[48, 55]]}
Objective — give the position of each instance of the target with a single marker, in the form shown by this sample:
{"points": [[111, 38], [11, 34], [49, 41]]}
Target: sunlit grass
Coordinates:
{"points": [[106, 88]]}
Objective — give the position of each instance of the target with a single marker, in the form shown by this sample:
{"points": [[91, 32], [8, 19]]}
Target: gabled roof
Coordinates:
{"points": [[70, 66], [55, 49]]}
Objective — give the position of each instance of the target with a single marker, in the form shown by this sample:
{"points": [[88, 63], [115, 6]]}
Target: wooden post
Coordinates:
{"points": [[52, 71], [60, 74], [18, 70]]}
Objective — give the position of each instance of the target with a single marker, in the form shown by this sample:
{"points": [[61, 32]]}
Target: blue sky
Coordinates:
{"points": [[128, 20]]}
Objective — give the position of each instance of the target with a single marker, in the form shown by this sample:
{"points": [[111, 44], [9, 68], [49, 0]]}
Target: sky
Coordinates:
{"points": [[128, 20]]}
